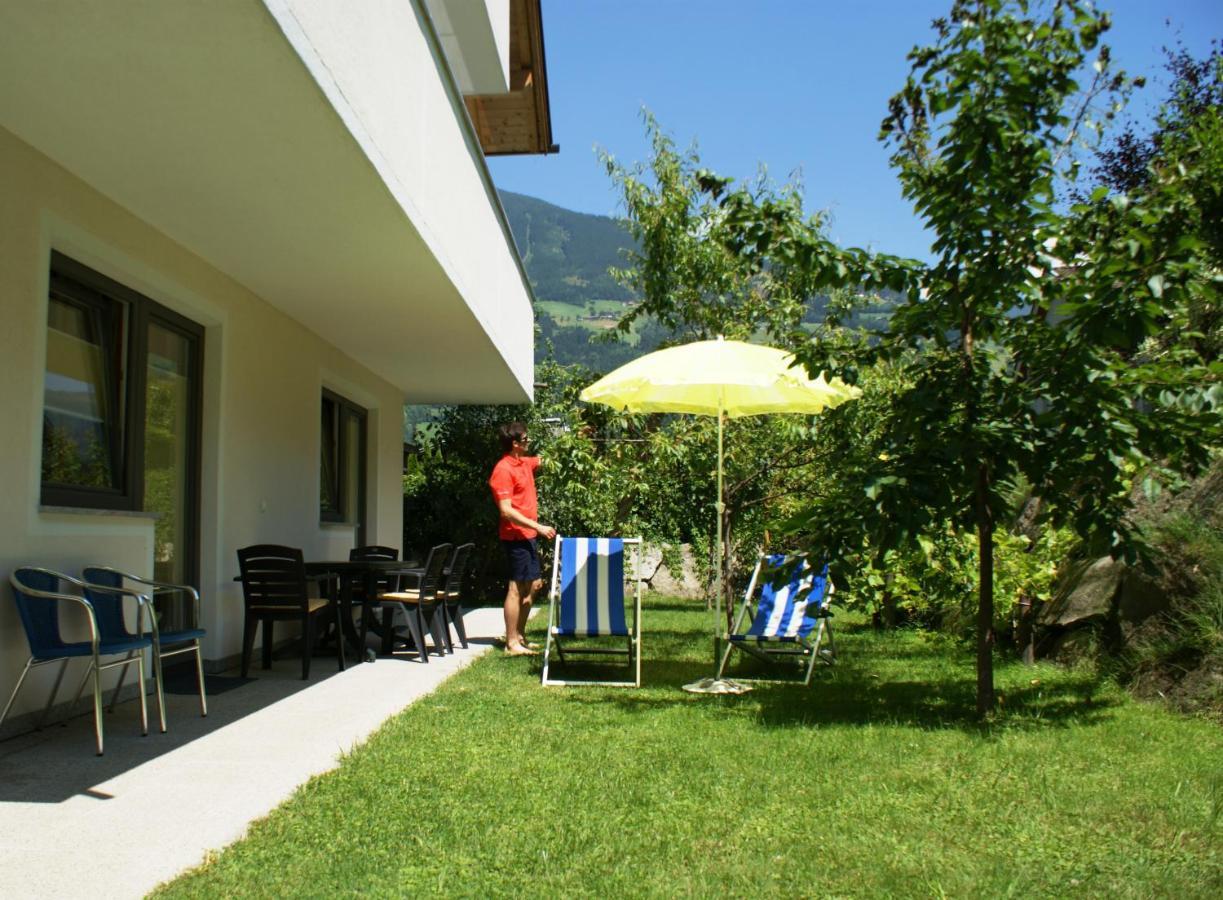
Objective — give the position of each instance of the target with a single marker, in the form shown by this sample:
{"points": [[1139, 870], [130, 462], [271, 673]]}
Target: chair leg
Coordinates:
{"points": [[367, 610], [144, 700], [436, 631], [55, 690], [459, 628], [414, 626], [248, 643], [388, 629], [339, 639], [20, 681], [157, 681], [267, 642], [308, 644], [114, 697], [199, 674], [97, 702], [443, 613], [80, 691]]}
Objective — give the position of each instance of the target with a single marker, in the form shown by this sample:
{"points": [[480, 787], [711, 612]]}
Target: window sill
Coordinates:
{"points": [[336, 526], [91, 511]]}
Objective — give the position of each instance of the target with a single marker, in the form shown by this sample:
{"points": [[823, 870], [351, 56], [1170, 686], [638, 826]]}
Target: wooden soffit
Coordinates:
{"points": [[519, 121]]}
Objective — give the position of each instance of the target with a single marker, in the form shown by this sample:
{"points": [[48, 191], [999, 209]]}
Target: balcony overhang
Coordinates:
{"points": [[519, 121], [215, 123]]}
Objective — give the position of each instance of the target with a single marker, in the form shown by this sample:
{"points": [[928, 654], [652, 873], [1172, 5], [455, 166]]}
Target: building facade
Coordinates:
{"points": [[235, 238]]}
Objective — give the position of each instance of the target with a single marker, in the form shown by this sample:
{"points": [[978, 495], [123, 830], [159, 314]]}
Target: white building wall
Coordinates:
{"points": [[262, 385], [377, 64]]}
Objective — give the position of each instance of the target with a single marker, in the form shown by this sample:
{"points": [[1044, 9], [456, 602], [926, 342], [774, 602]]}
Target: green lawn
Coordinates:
{"points": [[876, 781]]}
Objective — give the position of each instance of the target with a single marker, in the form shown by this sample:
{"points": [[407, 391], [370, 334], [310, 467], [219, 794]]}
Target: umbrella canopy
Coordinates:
{"points": [[717, 378], [708, 377]]}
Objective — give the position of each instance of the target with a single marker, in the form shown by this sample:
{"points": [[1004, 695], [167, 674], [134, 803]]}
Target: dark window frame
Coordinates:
{"points": [[348, 510], [121, 307]]}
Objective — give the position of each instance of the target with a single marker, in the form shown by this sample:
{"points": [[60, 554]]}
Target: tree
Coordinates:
{"points": [[1016, 351]]}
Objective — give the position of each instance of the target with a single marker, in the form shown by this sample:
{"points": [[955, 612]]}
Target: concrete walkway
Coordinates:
{"points": [[77, 825]]}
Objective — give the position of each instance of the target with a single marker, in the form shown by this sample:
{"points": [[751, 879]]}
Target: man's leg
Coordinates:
{"points": [[513, 616], [526, 591]]}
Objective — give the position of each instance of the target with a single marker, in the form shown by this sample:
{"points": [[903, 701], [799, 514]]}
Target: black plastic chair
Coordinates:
{"points": [[451, 594], [383, 584], [173, 642], [420, 601], [274, 587], [39, 594]]}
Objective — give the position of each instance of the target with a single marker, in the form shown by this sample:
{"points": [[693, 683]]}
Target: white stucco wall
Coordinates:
{"points": [[262, 383], [380, 71]]}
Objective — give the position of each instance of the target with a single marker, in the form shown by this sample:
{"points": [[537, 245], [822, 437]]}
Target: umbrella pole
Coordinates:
{"points": [[720, 506]]}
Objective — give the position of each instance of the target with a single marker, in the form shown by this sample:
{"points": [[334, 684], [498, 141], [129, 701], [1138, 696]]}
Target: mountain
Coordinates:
{"points": [[567, 254]]}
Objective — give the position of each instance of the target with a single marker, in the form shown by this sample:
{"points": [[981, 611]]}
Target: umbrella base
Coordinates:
{"points": [[716, 686]]}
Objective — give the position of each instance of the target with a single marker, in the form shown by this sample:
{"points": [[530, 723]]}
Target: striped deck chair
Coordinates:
{"points": [[790, 619], [588, 600]]}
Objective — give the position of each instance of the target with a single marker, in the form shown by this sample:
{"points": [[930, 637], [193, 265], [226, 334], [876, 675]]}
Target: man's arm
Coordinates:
{"points": [[506, 506]]}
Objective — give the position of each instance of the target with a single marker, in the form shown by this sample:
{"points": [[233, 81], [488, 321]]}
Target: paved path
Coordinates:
{"points": [[76, 825]]}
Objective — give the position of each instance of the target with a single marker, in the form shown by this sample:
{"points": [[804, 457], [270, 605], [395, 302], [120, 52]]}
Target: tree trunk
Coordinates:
{"points": [[985, 594], [889, 603]]}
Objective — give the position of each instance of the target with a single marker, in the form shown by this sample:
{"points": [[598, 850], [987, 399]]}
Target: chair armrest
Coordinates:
{"points": [[83, 602], [146, 599]]}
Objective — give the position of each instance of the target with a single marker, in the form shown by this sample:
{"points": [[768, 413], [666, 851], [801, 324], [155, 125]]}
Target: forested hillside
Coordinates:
{"points": [[567, 255]]}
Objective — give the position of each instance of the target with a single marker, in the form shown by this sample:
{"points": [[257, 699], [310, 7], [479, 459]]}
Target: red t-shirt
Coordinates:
{"points": [[514, 477]]}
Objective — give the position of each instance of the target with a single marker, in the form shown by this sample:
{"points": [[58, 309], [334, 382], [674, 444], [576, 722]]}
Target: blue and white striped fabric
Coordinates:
{"points": [[591, 587], [781, 614]]}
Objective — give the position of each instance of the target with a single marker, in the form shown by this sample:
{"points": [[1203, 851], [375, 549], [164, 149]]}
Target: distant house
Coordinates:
{"points": [[235, 238]]}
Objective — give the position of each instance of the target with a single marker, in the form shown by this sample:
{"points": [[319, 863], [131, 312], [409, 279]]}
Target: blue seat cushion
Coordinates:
{"points": [[178, 637], [105, 648]]}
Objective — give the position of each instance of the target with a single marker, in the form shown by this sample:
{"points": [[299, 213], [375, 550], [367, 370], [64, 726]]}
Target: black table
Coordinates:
{"points": [[368, 572]]}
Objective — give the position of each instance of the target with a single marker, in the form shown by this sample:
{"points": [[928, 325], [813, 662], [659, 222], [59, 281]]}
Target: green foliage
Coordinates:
{"points": [[1178, 656], [1016, 357]]}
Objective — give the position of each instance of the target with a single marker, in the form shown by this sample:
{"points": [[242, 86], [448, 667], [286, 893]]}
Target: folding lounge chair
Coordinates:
{"points": [[587, 599], [790, 619]]}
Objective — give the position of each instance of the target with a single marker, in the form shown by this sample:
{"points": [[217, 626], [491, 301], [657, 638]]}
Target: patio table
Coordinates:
{"points": [[348, 572]]}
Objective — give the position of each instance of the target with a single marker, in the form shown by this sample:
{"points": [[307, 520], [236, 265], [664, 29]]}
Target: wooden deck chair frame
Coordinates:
{"points": [[774, 652], [564, 643]]}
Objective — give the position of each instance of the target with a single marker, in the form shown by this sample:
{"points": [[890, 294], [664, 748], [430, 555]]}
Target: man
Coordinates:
{"points": [[513, 486]]}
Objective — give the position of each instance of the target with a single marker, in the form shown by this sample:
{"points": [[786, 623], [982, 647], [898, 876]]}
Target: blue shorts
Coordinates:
{"points": [[523, 557]]}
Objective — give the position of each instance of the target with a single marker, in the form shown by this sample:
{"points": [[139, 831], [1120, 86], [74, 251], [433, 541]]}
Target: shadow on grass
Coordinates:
{"points": [[878, 679]]}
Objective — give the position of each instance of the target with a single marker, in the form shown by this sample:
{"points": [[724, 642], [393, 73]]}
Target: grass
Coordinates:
{"points": [[874, 782]]}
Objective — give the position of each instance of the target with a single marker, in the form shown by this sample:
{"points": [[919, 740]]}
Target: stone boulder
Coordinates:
{"points": [[1088, 594], [656, 576], [1141, 597]]}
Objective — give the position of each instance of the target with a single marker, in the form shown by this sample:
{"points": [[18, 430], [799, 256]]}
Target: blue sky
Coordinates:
{"points": [[793, 84]]}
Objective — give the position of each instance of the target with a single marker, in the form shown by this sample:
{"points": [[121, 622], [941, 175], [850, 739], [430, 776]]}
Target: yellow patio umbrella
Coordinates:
{"points": [[718, 378]]}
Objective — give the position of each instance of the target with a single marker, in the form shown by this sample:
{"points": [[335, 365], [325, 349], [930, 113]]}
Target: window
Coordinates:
{"points": [[121, 409], [85, 439], [342, 463]]}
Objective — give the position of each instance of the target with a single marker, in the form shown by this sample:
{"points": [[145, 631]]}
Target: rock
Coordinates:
{"points": [[1088, 598], [658, 577], [1141, 597], [1075, 646]]}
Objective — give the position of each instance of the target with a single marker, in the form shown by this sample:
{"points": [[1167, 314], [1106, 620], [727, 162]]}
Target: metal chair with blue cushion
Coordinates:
{"points": [[169, 642], [791, 617], [40, 594], [588, 600]]}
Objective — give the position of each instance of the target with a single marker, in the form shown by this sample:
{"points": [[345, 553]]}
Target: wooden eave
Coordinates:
{"points": [[519, 121]]}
